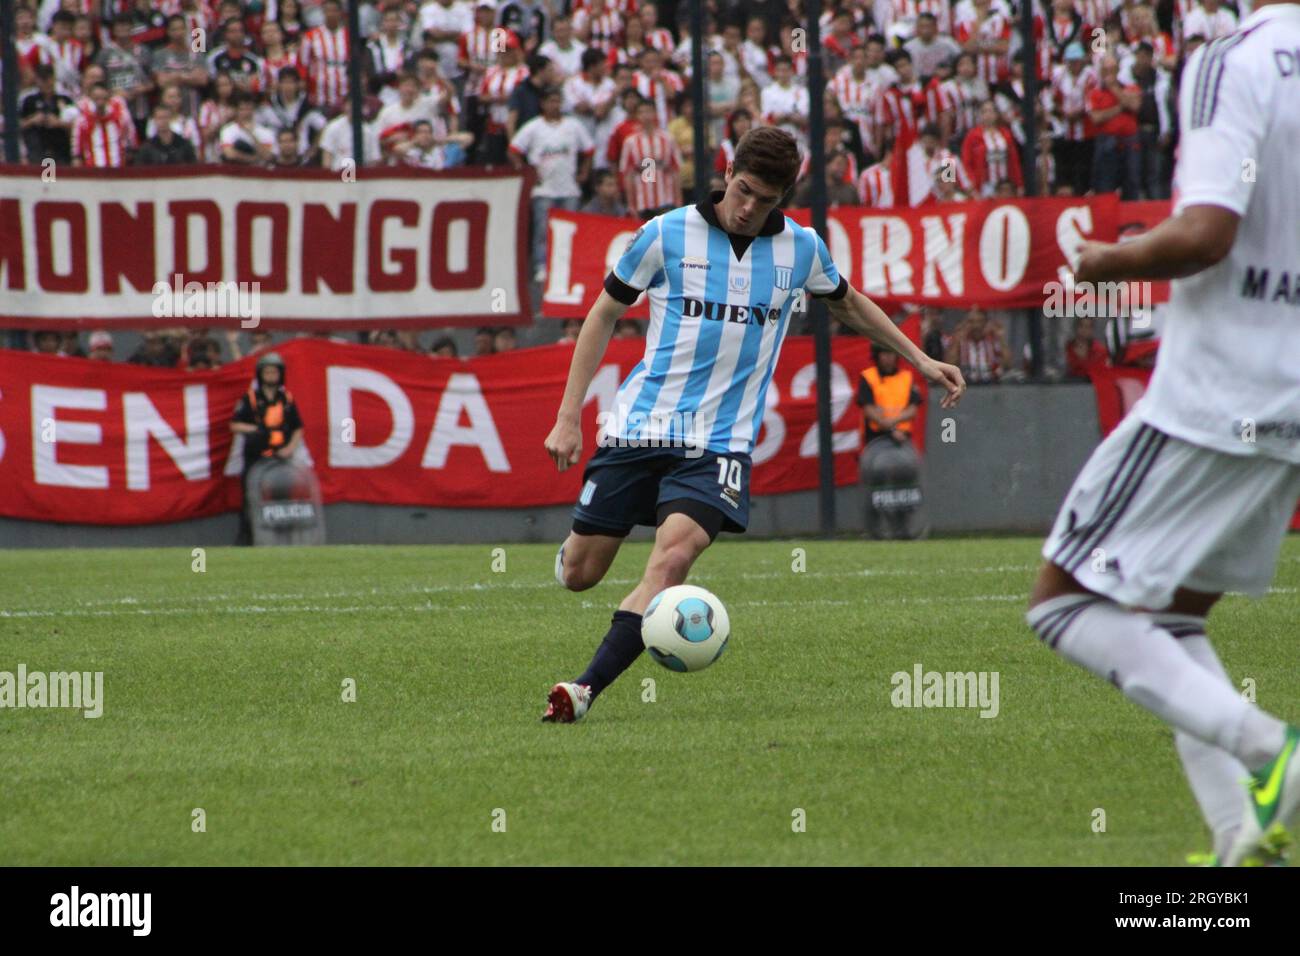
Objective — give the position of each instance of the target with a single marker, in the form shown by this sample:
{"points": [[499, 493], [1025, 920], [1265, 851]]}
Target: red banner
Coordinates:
{"points": [[299, 249], [101, 443], [993, 253], [1117, 390]]}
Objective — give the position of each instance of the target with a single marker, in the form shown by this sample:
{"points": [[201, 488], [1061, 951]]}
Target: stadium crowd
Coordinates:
{"points": [[592, 93]]}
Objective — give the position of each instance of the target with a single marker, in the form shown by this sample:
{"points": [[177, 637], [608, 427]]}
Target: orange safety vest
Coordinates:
{"points": [[893, 394], [271, 414]]}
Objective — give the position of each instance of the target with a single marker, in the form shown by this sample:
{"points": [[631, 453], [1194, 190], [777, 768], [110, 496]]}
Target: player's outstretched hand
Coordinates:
{"points": [[564, 444], [949, 376]]}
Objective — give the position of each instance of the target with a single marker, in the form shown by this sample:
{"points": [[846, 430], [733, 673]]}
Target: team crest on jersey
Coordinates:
{"points": [[739, 283], [783, 276]]}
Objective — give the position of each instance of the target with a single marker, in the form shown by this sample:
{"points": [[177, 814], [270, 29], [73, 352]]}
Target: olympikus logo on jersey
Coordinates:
{"points": [[726, 312]]}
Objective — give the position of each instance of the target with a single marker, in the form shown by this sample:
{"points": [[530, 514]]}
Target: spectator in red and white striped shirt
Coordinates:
{"points": [[650, 166], [494, 95], [655, 35], [598, 26], [900, 109], [990, 154], [658, 85], [104, 133], [324, 56], [857, 91], [979, 347], [65, 54], [876, 184], [275, 57], [1071, 84], [986, 32], [475, 51]]}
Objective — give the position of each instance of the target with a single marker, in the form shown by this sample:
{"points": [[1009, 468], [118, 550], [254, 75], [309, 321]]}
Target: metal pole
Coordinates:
{"points": [[1029, 108], [356, 50], [820, 319], [1029, 118], [699, 76], [10, 81]]}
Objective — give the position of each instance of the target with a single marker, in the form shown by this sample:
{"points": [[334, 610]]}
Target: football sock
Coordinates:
{"points": [[621, 646], [1147, 665], [1215, 775]]}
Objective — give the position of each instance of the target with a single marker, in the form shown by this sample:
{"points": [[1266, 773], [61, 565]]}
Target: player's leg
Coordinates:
{"points": [[584, 558], [689, 515], [619, 491], [679, 540], [1214, 775], [1144, 515]]}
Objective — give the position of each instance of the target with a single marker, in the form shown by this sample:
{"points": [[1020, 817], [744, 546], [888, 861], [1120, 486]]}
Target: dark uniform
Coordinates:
{"points": [[277, 421]]}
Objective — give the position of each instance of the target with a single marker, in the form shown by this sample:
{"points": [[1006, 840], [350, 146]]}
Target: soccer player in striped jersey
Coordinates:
{"points": [[723, 278], [1191, 495]]}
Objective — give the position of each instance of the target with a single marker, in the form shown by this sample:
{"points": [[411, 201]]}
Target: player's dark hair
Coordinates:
{"points": [[770, 154]]}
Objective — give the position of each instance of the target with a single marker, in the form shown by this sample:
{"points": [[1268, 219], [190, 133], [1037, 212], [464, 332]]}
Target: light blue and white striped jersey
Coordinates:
{"points": [[717, 322]]}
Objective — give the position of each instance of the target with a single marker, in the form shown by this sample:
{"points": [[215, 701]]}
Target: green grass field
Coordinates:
{"points": [[223, 691]]}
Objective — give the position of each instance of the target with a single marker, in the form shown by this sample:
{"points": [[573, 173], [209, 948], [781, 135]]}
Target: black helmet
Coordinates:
{"points": [[268, 359]]}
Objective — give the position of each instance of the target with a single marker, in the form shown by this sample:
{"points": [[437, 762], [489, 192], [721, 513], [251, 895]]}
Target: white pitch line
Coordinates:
{"points": [[131, 606], [164, 600]]}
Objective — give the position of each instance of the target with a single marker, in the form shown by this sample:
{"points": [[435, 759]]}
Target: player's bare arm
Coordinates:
{"points": [[862, 315], [1194, 240], [564, 443]]}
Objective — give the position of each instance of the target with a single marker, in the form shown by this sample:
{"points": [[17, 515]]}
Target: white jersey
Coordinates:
{"points": [[716, 324], [1228, 372], [555, 151]]}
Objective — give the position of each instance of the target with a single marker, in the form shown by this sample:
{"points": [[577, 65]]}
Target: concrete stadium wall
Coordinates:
{"points": [[1017, 448]]}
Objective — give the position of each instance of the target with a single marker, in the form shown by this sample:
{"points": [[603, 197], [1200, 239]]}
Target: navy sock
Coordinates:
{"points": [[621, 646]]}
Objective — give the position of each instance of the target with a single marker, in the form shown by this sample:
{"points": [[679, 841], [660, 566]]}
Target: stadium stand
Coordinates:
{"points": [[452, 83]]}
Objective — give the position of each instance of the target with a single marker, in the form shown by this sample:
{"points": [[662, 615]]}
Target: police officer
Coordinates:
{"points": [[269, 421], [888, 397]]}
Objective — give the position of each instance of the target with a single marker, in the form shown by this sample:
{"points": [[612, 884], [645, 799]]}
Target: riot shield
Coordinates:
{"points": [[283, 504]]}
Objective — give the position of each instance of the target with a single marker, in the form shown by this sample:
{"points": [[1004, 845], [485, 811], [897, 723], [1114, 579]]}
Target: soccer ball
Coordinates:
{"points": [[685, 628]]}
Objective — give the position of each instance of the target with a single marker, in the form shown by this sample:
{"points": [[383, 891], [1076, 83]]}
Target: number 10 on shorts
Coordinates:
{"points": [[729, 473]]}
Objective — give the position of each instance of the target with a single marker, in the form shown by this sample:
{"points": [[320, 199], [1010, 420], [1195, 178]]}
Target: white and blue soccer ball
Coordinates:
{"points": [[685, 628]]}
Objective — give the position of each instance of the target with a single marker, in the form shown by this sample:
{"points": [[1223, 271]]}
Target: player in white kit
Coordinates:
{"points": [[1192, 494]]}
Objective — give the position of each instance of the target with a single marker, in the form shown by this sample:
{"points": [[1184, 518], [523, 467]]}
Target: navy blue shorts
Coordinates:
{"points": [[625, 487]]}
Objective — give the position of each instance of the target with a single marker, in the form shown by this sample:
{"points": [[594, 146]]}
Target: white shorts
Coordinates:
{"points": [[1150, 513]]}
